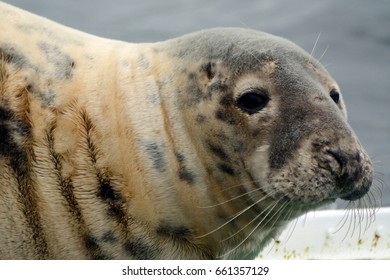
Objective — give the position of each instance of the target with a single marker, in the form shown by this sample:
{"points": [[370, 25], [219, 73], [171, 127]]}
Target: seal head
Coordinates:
{"points": [[269, 125]]}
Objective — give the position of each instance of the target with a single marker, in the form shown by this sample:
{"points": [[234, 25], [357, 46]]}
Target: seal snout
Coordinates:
{"points": [[354, 176]]}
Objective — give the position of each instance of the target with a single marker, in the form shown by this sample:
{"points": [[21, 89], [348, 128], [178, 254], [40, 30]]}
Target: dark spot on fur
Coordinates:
{"points": [[180, 231], [209, 69], [218, 151], [201, 118], [116, 211], [226, 169], [94, 249], [218, 86], [11, 55], [16, 149], [143, 61], [10, 128], [157, 156], [113, 198], [7, 143], [180, 158], [61, 62], [226, 116], [91, 243], [139, 250], [109, 237], [47, 97], [239, 146], [184, 174], [187, 176], [107, 192]]}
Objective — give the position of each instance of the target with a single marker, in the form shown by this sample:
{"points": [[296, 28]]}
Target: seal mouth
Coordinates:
{"points": [[357, 192], [353, 175]]}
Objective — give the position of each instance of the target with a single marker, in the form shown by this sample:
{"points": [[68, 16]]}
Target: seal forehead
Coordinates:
{"points": [[241, 50]]}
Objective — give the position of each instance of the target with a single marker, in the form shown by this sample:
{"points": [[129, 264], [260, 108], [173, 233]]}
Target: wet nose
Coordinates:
{"points": [[340, 157], [353, 179]]}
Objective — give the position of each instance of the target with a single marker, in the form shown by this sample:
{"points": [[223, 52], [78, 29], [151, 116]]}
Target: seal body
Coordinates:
{"points": [[199, 147]]}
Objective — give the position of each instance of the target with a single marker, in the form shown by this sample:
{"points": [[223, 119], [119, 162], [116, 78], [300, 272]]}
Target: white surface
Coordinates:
{"points": [[329, 235]]}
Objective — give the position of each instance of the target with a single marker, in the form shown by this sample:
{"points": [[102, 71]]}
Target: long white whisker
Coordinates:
{"points": [[254, 219], [256, 227], [315, 46], [293, 226], [229, 200], [319, 59], [234, 217]]}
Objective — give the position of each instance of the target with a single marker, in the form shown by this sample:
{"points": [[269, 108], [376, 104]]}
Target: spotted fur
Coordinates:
{"points": [[112, 150]]}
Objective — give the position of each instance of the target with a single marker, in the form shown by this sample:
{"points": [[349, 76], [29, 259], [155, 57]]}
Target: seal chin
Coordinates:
{"points": [[354, 195], [358, 192], [358, 185]]}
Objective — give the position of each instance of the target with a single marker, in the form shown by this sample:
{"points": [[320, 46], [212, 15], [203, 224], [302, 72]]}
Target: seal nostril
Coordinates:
{"points": [[340, 157]]}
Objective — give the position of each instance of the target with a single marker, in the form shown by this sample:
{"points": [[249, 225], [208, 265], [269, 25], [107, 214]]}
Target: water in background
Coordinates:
{"points": [[354, 33]]}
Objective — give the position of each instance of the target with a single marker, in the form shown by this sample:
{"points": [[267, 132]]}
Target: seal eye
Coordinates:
{"points": [[252, 101], [335, 96]]}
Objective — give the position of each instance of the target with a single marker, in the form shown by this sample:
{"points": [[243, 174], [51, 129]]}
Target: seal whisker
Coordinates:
{"points": [[351, 218], [227, 222], [293, 225], [343, 221], [226, 201], [319, 59], [257, 227], [312, 53], [272, 206], [232, 218]]}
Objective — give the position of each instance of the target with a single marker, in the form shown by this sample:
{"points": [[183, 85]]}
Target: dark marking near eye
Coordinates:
{"points": [[218, 151], [226, 169], [137, 249], [218, 86], [180, 231], [226, 100], [157, 156], [227, 116]]}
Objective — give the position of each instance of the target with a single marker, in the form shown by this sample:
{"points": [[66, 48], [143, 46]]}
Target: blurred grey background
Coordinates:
{"points": [[354, 33]]}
